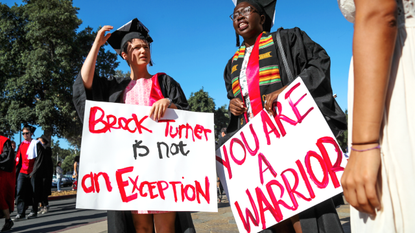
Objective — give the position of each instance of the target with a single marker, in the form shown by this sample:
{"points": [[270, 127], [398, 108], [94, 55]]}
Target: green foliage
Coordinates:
{"points": [[120, 73], [342, 138], [65, 156], [202, 102], [40, 56], [221, 119]]}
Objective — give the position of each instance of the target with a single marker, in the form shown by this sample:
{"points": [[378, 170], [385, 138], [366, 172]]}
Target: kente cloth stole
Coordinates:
{"points": [[156, 93], [262, 70]]}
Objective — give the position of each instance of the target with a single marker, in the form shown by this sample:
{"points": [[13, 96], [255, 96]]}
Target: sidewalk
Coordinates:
{"points": [[206, 222]]}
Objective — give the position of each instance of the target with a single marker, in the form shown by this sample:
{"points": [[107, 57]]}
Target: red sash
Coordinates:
{"points": [[155, 93], [2, 141], [252, 76]]}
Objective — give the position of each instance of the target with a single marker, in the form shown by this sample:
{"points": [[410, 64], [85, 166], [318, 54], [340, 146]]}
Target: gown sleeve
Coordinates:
{"points": [[228, 79], [103, 89], [7, 159], [233, 121], [311, 62], [172, 90]]}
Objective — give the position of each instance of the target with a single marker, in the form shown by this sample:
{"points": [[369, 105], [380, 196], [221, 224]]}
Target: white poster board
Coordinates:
{"points": [[131, 162], [273, 169]]}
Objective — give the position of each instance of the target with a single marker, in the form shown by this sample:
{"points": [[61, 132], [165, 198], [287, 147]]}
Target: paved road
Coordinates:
{"points": [[64, 218], [62, 215]]}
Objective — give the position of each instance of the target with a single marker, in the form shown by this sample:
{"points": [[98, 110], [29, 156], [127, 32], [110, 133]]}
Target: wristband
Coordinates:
{"points": [[169, 102], [364, 143], [373, 148]]}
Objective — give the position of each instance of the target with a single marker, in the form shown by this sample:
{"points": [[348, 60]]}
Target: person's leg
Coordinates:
{"points": [[143, 223], [290, 225], [8, 223], [164, 223], [58, 184], [34, 183], [20, 195], [295, 220]]}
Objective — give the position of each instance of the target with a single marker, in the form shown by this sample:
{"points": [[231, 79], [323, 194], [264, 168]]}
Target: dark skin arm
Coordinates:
{"points": [[237, 106]]}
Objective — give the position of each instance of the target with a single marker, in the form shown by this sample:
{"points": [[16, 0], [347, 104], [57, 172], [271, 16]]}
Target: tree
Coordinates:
{"points": [[202, 102], [40, 56], [65, 156], [221, 119], [120, 73], [342, 138]]}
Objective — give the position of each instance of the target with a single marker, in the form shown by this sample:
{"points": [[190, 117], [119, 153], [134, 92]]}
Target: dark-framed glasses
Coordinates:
{"points": [[244, 12], [24, 133]]}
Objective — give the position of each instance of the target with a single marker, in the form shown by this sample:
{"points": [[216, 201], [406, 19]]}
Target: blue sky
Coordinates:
{"points": [[193, 40]]}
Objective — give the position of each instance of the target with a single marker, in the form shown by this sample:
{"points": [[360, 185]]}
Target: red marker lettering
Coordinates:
{"points": [[261, 159], [252, 152], [122, 184], [310, 171], [239, 162], [266, 121], [90, 188], [106, 179], [248, 213]]}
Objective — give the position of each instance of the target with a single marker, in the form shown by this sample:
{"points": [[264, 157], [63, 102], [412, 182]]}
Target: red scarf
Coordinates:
{"points": [[155, 93], [252, 76]]}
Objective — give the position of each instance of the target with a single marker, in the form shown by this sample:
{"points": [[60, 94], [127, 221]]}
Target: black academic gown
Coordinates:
{"points": [[43, 167], [110, 90], [310, 61]]}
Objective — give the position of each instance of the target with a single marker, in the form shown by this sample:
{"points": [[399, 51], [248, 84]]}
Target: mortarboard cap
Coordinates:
{"points": [[131, 30], [264, 7], [32, 129]]}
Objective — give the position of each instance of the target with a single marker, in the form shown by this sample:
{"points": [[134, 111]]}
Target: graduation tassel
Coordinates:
{"points": [[237, 40]]}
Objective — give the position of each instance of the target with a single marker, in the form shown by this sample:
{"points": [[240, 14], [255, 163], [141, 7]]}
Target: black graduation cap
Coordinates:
{"points": [[32, 128], [264, 7], [130, 30]]}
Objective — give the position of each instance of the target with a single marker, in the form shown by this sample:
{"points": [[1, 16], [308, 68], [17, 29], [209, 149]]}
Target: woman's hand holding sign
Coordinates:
{"points": [[159, 108], [269, 100]]}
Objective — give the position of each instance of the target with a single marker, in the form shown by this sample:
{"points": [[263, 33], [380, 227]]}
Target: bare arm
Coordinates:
{"points": [[88, 68], [373, 46], [74, 168]]}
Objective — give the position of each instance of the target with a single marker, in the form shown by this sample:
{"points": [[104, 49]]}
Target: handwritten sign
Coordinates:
{"points": [[276, 167], [131, 162]]}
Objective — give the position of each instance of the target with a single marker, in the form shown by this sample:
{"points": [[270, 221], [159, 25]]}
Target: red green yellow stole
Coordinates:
{"points": [[262, 70]]}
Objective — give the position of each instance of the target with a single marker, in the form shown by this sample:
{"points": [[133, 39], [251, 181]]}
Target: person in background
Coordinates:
{"points": [[378, 180], [13, 145], [44, 165], [7, 182], [59, 174], [27, 153], [75, 172]]}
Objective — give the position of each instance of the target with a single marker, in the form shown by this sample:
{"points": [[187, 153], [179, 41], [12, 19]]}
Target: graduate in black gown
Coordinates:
{"points": [[258, 66], [132, 43]]}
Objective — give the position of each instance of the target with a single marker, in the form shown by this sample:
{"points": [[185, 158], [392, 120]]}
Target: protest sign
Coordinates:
{"points": [[276, 167], [131, 162]]}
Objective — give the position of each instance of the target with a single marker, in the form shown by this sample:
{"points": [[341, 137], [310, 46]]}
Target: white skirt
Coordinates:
{"points": [[397, 142]]}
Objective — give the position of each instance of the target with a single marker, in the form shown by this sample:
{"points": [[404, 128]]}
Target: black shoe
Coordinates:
{"points": [[31, 215], [18, 217], [8, 225]]}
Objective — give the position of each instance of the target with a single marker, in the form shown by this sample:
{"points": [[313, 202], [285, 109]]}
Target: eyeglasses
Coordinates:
{"points": [[25, 133], [244, 12]]}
